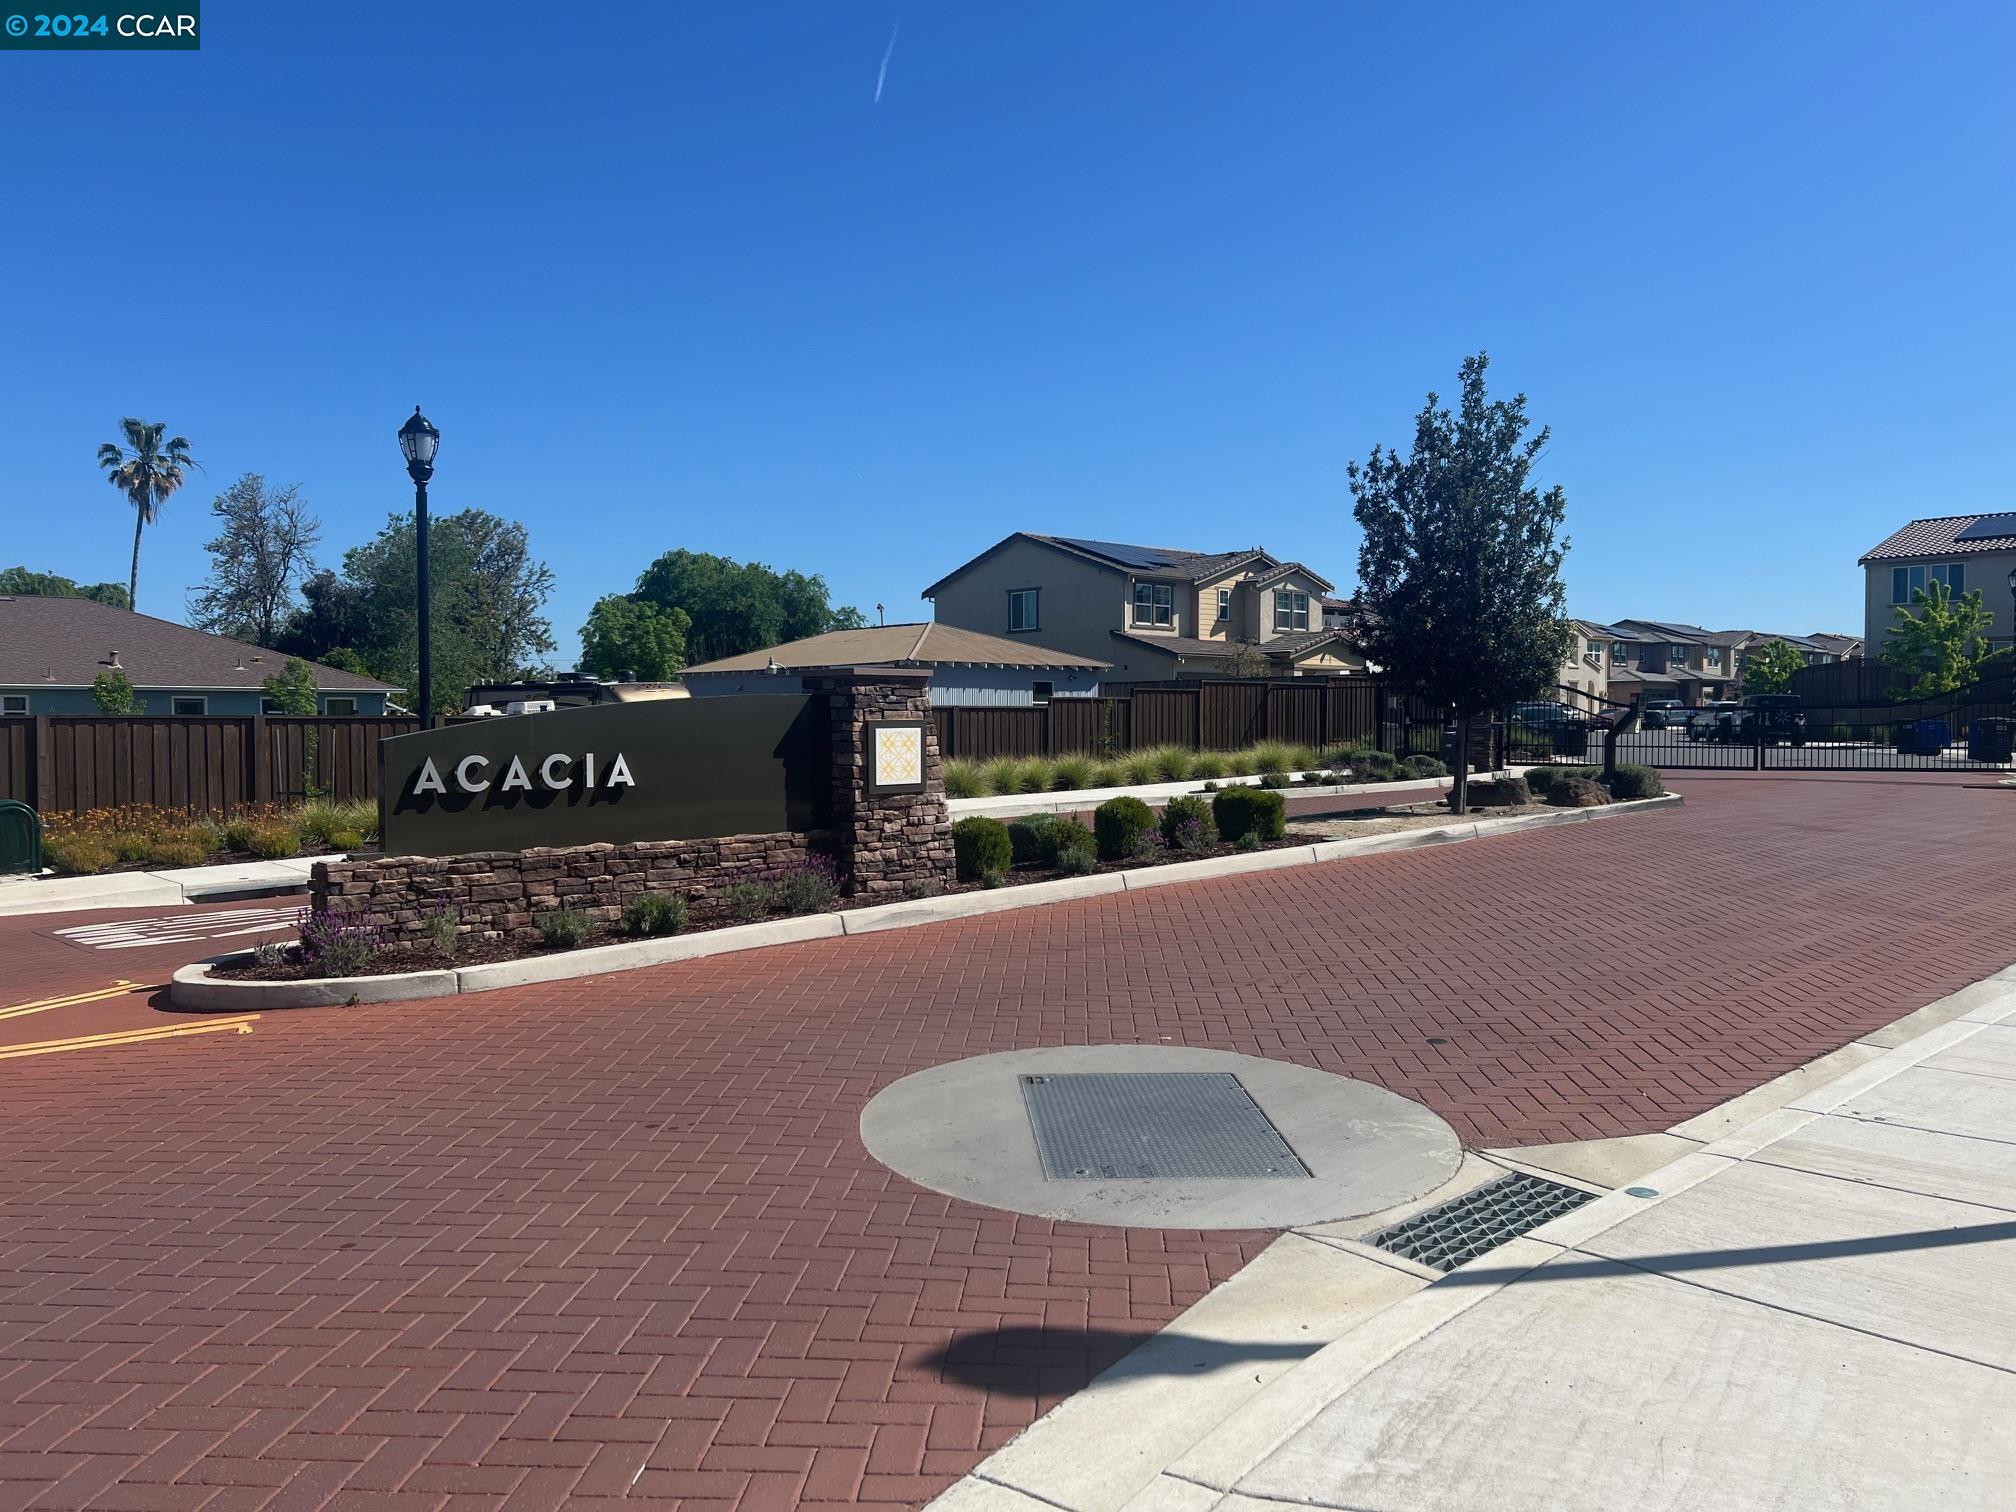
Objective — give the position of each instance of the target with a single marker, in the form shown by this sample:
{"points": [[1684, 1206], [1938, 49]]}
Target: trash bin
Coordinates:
{"points": [[20, 837], [1991, 740], [1923, 737]]}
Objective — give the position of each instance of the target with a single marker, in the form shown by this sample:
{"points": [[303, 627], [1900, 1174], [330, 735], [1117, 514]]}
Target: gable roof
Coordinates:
{"points": [[1117, 556], [67, 642], [914, 645], [1290, 569], [1212, 650], [1941, 537]]}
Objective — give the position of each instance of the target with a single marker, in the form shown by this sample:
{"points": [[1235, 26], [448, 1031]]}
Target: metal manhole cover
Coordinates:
{"points": [[1154, 1126], [1465, 1227]]}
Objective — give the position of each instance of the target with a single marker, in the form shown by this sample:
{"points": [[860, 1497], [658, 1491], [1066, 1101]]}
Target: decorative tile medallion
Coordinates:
{"points": [[895, 757]]}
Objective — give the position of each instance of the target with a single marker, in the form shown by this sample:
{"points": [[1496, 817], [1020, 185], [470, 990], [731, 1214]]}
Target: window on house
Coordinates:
{"points": [[13, 703], [189, 706], [1022, 608], [1594, 650], [1677, 653], [1905, 580], [339, 706], [1041, 692], [1620, 651], [1224, 603], [1291, 610], [270, 706], [1714, 656], [1155, 604]]}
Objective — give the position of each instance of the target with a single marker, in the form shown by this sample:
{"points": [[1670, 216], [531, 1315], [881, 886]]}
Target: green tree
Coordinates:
{"points": [[1460, 566], [112, 691], [1939, 642], [488, 591], [19, 582], [147, 469], [737, 606], [626, 634], [264, 549], [1245, 659], [333, 617], [1769, 668]]}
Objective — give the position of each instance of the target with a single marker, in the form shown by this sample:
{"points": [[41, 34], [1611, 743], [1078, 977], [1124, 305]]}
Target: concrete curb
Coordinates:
{"points": [[1014, 805], [193, 986], [173, 888]]}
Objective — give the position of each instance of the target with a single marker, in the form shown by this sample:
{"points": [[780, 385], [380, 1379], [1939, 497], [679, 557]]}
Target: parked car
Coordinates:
{"points": [[1543, 714], [1662, 714], [1766, 719], [1708, 719]]}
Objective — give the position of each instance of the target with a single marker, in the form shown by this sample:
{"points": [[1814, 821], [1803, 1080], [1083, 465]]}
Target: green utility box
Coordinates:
{"points": [[20, 837]]}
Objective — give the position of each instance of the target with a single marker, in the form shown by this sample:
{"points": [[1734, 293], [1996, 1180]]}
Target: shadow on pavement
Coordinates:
{"points": [[1047, 1362], [1762, 1254]]}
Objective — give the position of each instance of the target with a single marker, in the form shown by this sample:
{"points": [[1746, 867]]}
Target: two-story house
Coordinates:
{"points": [[1155, 613], [1962, 551], [1662, 659], [1817, 650]]}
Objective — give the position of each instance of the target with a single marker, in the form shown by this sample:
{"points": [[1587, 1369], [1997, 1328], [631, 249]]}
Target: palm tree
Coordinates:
{"points": [[147, 470]]}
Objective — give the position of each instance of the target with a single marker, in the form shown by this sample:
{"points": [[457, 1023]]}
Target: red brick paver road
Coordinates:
{"points": [[618, 1240]]}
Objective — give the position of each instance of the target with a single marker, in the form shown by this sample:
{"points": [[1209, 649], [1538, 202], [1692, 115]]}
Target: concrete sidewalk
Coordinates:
{"points": [[20, 896], [1816, 1311]]}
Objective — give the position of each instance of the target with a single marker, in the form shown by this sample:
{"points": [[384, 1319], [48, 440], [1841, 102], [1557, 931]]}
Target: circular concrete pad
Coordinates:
{"points": [[963, 1129]]}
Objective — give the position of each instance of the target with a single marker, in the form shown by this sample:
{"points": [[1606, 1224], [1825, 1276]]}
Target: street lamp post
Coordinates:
{"points": [[419, 440]]}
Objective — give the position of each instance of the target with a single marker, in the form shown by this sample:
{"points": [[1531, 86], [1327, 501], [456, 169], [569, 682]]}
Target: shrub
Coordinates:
{"points": [[178, 848], [77, 855], [1210, 764], [1424, 766], [1070, 773], [346, 840], [1032, 775], [564, 928], [981, 846], [1187, 825], [1247, 842], [1375, 766], [1244, 811], [271, 841], [1173, 763], [1303, 758], [270, 953], [337, 945], [1275, 779], [1077, 861], [1576, 792], [964, 779], [1241, 763], [1501, 792], [1272, 756], [1139, 767], [654, 914], [317, 822], [1541, 779], [1118, 824], [132, 845], [238, 834], [811, 887], [1067, 838], [444, 931], [747, 901], [1028, 839], [1002, 775], [1631, 781], [1109, 774]]}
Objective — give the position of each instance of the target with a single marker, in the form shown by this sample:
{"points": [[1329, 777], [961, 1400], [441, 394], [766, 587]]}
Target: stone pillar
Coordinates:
{"points": [[894, 839]]}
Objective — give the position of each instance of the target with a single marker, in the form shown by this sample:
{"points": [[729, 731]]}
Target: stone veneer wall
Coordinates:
{"points": [[498, 893], [887, 845]]}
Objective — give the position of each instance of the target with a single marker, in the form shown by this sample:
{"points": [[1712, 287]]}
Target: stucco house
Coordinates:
{"points": [[967, 668], [1962, 551], [1154, 613], [52, 650]]}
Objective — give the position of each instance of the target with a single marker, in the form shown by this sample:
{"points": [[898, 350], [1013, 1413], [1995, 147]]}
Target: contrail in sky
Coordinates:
{"points": [[882, 74]]}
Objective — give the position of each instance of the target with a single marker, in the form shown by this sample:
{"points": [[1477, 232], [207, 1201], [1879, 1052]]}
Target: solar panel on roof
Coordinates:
{"points": [[1126, 556], [1989, 528]]}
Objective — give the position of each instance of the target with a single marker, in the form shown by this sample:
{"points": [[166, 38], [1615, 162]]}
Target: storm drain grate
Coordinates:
{"points": [[1153, 1126], [1465, 1227]]}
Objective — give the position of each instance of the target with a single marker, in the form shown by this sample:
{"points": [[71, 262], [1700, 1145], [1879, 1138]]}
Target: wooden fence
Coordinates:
{"points": [[68, 763], [1211, 716]]}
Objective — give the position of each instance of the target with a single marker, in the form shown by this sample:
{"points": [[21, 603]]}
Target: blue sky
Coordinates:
{"points": [[670, 275]]}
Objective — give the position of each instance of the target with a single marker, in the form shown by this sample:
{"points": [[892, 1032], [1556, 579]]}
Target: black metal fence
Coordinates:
{"points": [[1972, 729]]}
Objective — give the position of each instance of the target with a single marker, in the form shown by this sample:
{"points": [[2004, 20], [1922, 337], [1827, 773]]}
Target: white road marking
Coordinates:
{"points": [[175, 929]]}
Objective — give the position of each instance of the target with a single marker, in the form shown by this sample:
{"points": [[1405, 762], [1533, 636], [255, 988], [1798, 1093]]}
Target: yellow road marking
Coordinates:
{"points": [[243, 1024], [43, 1005]]}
